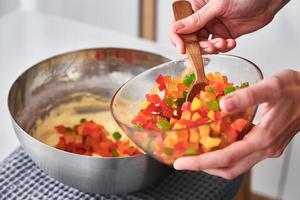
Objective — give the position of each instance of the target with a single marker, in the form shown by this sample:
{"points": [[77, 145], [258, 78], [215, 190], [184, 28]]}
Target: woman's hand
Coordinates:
{"points": [[280, 96], [224, 20]]}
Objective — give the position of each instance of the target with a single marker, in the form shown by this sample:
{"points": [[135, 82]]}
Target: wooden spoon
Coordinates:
{"points": [[183, 9]]}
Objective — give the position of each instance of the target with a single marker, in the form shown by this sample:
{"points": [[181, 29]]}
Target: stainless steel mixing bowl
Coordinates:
{"points": [[100, 71]]}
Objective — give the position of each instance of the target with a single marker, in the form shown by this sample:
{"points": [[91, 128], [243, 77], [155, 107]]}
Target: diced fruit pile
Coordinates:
{"points": [[189, 128], [89, 138]]}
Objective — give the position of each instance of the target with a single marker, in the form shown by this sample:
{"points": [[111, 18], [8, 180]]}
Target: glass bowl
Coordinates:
{"points": [[167, 146]]}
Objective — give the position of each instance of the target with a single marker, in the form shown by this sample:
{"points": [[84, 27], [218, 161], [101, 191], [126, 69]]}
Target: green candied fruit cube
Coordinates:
{"points": [[117, 135], [229, 90], [244, 85], [163, 124], [82, 120], [152, 145], [114, 153], [170, 101], [68, 129], [191, 151], [213, 105], [137, 126], [212, 90], [168, 151], [180, 101], [189, 79]]}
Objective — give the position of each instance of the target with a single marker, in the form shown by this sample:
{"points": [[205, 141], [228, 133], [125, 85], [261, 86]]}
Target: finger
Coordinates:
{"points": [[220, 44], [231, 44], [238, 168], [217, 45], [199, 19], [207, 47], [267, 90], [177, 42]]}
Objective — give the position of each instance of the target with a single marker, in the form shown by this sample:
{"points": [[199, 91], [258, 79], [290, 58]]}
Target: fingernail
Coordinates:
{"points": [[179, 25], [178, 164]]}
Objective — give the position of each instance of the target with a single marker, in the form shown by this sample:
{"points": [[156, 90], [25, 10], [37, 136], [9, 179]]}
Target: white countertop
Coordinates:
{"points": [[29, 37]]}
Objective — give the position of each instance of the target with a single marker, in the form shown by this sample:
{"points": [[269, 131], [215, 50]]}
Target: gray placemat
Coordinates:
{"points": [[21, 179]]}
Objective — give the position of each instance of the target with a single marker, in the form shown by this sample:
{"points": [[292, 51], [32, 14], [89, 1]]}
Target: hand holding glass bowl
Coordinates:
{"points": [[126, 104]]}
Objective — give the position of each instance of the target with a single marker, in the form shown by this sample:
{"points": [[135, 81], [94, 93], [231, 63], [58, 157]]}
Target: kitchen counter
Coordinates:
{"points": [[29, 37]]}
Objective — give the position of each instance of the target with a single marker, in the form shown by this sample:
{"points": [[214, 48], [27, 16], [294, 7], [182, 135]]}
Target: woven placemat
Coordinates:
{"points": [[21, 179]]}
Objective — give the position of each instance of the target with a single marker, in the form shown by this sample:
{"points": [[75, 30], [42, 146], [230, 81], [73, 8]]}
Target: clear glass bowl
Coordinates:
{"points": [[163, 145]]}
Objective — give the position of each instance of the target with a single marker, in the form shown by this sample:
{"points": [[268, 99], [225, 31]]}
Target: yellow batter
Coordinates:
{"points": [[89, 106]]}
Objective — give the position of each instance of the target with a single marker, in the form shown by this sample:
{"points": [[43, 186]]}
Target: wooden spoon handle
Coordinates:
{"points": [[183, 9]]}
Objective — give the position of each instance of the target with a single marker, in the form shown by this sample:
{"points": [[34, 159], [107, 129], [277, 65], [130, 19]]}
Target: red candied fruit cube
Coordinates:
{"points": [[161, 82], [153, 98]]}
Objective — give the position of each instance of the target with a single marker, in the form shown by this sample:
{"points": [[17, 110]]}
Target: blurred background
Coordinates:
{"points": [[33, 30]]}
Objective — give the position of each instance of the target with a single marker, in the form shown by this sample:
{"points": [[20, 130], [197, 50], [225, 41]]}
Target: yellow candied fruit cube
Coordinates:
{"points": [[215, 127], [209, 76], [211, 142], [172, 87], [196, 116], [186, 115], [196, 104], [179, 126], [194, 136], [211, 115], [218, 78], [171, 139], [178, 80], [144, 105], [155, 89], [204, 131]]}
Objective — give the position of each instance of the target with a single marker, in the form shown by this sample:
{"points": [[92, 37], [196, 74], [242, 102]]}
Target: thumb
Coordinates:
{"points": [[268, 90], [197, 20]]}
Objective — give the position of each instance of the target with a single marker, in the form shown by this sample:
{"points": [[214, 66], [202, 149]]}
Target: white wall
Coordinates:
{"points": [[118, 15], [7, 6], [165, 16]]}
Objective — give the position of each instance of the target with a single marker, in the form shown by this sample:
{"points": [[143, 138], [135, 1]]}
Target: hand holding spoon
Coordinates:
{"points": [[183, 9]]}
